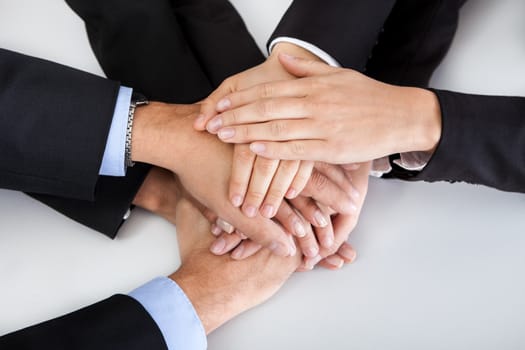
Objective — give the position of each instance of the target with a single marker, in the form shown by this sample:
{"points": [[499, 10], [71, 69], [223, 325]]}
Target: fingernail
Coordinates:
{"points": [[327, 241], [268, 211], [355, 194], [291, 194], [279, 249], [336, 261], [237, 253], [311, 252], [214, 125], [311, 262], [320, 219], [299, 229], [347, 252], [226, 133], [257, 148], [199, 121], [237, 201], [241, 235], [225, 225], [215, 230], [224, 104], [218, 246]]}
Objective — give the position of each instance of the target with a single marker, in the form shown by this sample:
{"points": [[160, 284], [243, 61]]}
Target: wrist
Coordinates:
{"points": [[157, 138], [423, 130]]}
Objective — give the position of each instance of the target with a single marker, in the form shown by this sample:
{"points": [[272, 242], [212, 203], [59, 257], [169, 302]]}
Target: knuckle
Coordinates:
{"points": [[265, 166], [319, 181], [265, 107], [266, 90], [277, 128], [255, 196], [297, 148]]}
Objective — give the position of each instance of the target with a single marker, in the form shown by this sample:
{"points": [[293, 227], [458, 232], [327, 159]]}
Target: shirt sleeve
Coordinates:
{"points": [[174, 314], [113, 163], [414, 161]]}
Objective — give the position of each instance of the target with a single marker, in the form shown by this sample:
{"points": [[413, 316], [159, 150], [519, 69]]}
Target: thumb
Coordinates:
{"points": [[301, 67]]}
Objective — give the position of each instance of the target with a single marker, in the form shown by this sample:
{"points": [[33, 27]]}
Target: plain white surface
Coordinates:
{"points": [[440, 266]]}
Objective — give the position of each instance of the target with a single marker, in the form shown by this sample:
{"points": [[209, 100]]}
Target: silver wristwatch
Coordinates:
{"points": [[137, 99]]}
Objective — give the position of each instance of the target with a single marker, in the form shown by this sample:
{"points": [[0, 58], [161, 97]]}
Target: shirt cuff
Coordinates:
{"points": [[413, 161], [113, 163], [307, 46], [173, 313]]}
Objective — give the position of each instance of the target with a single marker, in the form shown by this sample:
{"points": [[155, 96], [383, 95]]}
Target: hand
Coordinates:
{"points": [[271, 180], [259, 183], [329, 191], [341, 252], [333, 115], [163, 136], [218, 287], [159, 193]]}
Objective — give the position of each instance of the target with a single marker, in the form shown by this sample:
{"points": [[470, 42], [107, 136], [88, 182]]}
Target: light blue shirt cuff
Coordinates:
{"points": [[113, 163], [174, 314]]}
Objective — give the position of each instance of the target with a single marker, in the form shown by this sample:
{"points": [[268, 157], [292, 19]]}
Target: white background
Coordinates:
{"points": [[440, 266]]}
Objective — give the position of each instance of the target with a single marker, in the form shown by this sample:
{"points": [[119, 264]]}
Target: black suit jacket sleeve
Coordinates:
{"points": [[346, 30], [482, 142], [119, 322], [54, 122]]}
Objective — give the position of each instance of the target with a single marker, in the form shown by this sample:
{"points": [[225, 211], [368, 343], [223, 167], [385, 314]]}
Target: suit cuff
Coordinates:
{"points": [[308, 47], [113, 163], [173, 312]]}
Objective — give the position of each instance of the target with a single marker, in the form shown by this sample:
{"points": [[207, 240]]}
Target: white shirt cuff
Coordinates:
{"points": [[307, 46]]}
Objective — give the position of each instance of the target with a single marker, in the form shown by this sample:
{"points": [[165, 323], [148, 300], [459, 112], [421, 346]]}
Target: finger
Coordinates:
{"points": [[332, 262], [326, 192], [295, 223], [224, 225], [280, 184], [246, 249], [351, 166], [265, 91], [243, 161], [291, 220], [225, 243], [347, 253], [343, 226], [309, 263], [324, 234], [262, 175], [276, 130], [300, 180], [208, 106], [310, 211], [304, 68], [339, 176], [313, 150], [260, 111], [208, 214]]}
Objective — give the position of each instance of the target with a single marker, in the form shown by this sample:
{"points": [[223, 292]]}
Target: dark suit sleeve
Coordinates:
{"points": [[119, 322], [346, 30], [483, 142], [54, 121]]}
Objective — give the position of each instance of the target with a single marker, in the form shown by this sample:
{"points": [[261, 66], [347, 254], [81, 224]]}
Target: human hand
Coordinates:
{"points": [[271, 180], [341, 252], [163, 135], [329, 191], [332, 114], [218, 287]]}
